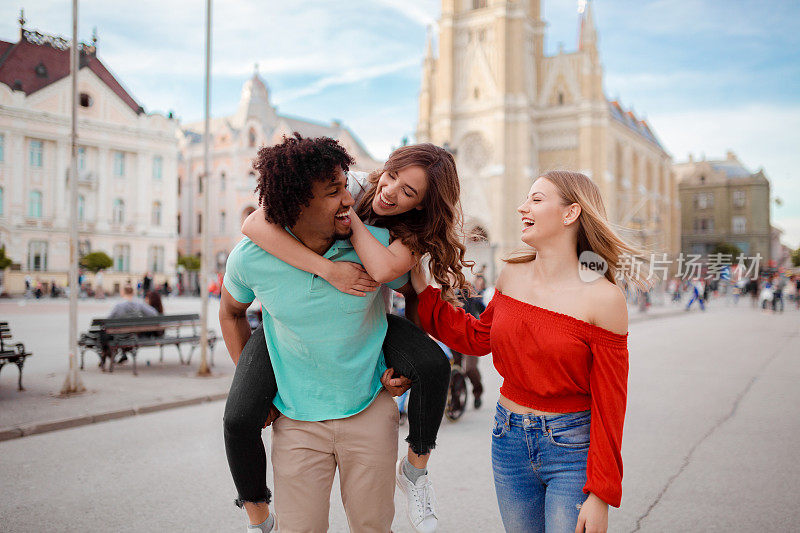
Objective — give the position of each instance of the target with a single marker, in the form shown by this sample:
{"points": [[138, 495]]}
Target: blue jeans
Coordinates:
{"points": [[539, 465]]}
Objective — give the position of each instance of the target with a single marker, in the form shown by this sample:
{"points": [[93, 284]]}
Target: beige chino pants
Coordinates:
{"points": [[305, 456]]}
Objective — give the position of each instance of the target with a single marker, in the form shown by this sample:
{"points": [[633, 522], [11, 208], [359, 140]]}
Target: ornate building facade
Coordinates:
{"points": [[127, 171], [234, 143], [509, 113]]}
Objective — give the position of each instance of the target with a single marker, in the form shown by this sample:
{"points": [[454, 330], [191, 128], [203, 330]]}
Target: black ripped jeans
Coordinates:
{"points": [[407, 349]]}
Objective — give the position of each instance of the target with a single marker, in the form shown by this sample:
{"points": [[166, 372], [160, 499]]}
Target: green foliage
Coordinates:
{"points": [[5, 262], [796, 258], [96, 261], [727, 248], [189, 262]]}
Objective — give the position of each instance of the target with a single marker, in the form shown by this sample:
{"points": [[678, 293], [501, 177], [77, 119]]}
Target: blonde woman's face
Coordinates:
{"points": [[543, 213], [400, 191]]}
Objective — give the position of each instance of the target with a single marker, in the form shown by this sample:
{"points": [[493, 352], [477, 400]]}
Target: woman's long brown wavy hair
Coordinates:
{"points": [[437, 228], [595, 233]]}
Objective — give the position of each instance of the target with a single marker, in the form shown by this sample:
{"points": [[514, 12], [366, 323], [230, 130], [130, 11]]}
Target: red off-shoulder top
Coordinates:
{"points": [[551, 362]]}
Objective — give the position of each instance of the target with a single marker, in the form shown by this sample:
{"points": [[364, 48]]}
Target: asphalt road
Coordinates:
{"points": [[710, 445]]}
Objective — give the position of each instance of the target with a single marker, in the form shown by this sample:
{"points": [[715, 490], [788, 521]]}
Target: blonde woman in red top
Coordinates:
{"points": [[559, 338]]}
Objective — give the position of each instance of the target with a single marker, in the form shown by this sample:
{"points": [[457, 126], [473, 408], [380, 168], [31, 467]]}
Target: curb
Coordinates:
{"points": [[15, 432]]}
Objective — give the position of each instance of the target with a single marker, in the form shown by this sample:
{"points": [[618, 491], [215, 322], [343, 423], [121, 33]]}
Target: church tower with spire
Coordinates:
{"points": [[509, 113]]}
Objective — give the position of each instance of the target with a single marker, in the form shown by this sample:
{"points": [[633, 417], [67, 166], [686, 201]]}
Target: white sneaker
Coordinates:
{"points": [[421, 500]]}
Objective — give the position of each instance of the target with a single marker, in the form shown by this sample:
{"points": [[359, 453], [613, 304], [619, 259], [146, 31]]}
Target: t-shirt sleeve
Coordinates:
{"points": [[234, 280], [356, 184], [382, 235]]}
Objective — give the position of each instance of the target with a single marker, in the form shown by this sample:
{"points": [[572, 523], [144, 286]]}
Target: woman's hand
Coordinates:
{"points": [[350, 278], [419, 277], [593, 517]]}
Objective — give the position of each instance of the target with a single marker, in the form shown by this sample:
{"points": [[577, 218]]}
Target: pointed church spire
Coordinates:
{"points": [[429, 44], [588, 35]]}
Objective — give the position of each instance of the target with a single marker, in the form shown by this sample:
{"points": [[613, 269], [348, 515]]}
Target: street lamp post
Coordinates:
{"points": [[204, 369], [73, 382]]}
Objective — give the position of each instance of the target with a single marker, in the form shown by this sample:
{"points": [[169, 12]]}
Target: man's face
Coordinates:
{"points": [[327, 212]]}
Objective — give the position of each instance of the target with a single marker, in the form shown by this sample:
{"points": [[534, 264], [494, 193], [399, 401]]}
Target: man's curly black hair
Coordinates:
{"points": [[288, 171]]}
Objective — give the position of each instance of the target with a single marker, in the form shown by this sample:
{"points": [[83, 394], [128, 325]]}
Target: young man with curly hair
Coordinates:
{"points": [[324, 355]]}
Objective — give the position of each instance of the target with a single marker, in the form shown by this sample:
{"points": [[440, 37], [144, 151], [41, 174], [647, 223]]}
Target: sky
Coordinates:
{"points": [[709, 76]]}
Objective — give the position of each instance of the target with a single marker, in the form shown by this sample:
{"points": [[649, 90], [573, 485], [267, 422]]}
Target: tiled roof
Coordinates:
{"points": [[629, 119], [732, 169], [37, 61]]}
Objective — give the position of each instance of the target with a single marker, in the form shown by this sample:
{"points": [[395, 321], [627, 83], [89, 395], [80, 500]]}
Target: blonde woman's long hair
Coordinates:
{"points": [[595, 233]]}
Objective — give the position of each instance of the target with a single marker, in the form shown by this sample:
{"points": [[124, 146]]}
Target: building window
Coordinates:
{"points": [[739, 224], [704, 200], [199, 184], [118, 211], [222, 222], [704, 225], [179, 223], [222, 181], [2, 147], [37, 255], [35, 204], [122, 258], [155, 262], [119, 164], [251, 139], [560, 98], [179, 186], [81, 158], [739, 198], [156, 216], [81, 208], [85, 100], [36, 154], [158, 163], [478, 4], [199, 223]]}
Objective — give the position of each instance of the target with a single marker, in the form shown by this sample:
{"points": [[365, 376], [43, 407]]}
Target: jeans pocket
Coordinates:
{"points": [[499, 429], [570, 437]]}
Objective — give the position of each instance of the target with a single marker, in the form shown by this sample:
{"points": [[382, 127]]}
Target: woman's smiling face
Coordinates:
{"points": [[543, 212], [400, 191]]}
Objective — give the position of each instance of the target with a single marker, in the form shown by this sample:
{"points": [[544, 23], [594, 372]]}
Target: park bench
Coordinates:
{"points": [[111, 336], [12, 352]]}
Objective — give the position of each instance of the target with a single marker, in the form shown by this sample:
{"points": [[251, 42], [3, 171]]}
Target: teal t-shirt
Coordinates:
{"points": [[325, 345]]}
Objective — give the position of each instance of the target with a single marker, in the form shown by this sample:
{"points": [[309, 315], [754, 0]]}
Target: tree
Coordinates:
{"points": [[96, 261], [189, 262], [796, 258], [727, 248], [5, 262]]}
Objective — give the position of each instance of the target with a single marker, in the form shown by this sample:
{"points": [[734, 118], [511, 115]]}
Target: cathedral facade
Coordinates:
{"points": [[510, 113]]}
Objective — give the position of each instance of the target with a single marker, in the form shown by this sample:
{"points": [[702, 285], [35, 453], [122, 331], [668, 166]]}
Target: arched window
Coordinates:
{"points": [[156, 216], [222, 223], [251, 138], [35, 204], [118, 211]]}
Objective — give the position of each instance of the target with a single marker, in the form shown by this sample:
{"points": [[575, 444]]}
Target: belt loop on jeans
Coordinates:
{"points": [[508, 418], [543, 422]]}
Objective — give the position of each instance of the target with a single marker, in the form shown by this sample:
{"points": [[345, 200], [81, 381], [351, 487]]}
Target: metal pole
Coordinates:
{"points": [[73, 382], [204, 370]]}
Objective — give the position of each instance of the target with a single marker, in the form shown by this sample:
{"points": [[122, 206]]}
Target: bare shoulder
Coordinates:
{"points": [[609, 309], [509, 274]]}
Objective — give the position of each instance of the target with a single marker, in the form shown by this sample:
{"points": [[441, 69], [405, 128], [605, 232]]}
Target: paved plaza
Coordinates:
{"points": [[710, 436]]}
